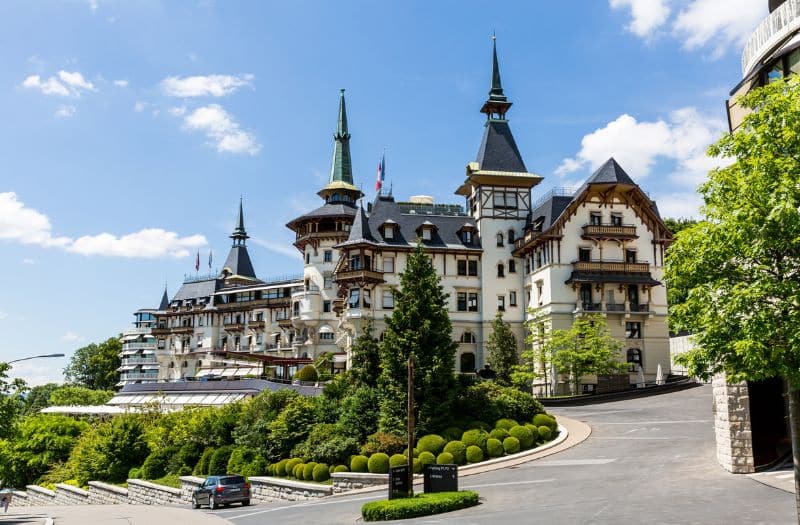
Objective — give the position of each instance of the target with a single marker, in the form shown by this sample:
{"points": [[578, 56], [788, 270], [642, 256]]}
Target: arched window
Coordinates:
{"points": [[511, 236], [500, 239], [501, 270], [467, 337], [467, 363]]}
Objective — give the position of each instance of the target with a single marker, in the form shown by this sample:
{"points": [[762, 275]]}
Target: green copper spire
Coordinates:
{"points": [[239, 234], [497, 104], [341, 167]]}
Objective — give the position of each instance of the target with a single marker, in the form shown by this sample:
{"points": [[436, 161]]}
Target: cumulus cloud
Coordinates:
{"points": [[66, 111], [25, 225], [646, 15], [51, 86], [719, 23], [281, 247], [204, 86], [67, 83], [222, 130], [121, 83]]}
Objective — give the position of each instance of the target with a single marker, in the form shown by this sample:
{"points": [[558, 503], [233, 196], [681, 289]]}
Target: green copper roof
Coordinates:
{"points": [[341, 166], [496, 90], [239, 234]]}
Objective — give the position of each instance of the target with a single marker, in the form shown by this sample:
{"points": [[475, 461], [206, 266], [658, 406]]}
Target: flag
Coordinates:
{"points": [[381, 175], [197, 262], [210, 258]]}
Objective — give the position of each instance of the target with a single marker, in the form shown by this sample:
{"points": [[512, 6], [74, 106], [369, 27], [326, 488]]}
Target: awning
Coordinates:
{"points": [[130, 337], [325, 329], [148, 352], [150, 367], [124, 368], [643, 278]]}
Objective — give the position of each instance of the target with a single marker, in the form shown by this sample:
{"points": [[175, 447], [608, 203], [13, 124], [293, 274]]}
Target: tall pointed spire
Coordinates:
{"points": [[238, 262], [164, 300], [341, 177], [239, 234], [497, 104]]}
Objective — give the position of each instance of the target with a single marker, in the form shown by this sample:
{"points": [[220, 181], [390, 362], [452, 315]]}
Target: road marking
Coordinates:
{"points": [[304, 504], [634, 437], [645, 423], [508, 483], [574, 462]]}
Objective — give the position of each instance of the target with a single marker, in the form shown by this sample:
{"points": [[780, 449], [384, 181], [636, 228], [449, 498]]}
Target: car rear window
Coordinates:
{"points": [[231, 480]]}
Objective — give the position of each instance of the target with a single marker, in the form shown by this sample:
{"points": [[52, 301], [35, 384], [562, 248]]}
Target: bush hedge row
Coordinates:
{"points": [[420, 505]]}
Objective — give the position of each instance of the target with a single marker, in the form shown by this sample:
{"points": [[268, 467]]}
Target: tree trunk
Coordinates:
{"points": [[794, 424]]}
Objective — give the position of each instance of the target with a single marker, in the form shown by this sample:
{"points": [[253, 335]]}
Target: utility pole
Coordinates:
{"points": [[410, 426]]}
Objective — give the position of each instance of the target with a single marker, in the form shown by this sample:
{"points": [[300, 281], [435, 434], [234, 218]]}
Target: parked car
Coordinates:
{"points": [[222, 490]]}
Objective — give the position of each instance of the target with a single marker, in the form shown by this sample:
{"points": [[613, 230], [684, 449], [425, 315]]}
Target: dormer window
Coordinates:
{"points": [[388, 232], [426, 234], [426, 230], [466, 237], [466, 232]]}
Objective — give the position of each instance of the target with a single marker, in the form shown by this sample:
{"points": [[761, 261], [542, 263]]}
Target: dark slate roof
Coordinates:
{"points": [[239, 262], [328, 210], [550, 210], [610, 173], [445, 233], [193, 290], [498, 151], [360, 229], [612, 277], [164, 301], [244, 385]]}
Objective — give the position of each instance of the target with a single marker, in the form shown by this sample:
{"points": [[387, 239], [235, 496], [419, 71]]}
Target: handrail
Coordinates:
{"points": [[778, 25]]}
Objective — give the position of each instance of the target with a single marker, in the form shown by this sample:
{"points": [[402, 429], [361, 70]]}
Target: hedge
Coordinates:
{"points": [[474, 454], [524, 435], [427, 458], [545, 420], [201, 469], [417, 466], [155, 465], [506, 423], [280, 468], [452, 433], [297, 471], [419, 505], [308, 471], [378, 463], [511, 445], [432, 443], [475, 437], [398, 459], [480, 425], [291, 464], [494, 447], [218, 464], [445, 458], [359, 464], [458, 450], [321, 473]]}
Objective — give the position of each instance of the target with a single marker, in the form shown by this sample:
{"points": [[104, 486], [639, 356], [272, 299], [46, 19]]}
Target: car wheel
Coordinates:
{"points": [[245, 502], [195, 505], [212, 503]]}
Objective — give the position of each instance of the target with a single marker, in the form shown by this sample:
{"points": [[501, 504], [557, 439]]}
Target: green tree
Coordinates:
{"points": [[366, 359], [741, 266], [95, 366], [502, 347], [79, 396], [11, 400], [678, 225], [38, 398], [109, 450], [419, 327]]}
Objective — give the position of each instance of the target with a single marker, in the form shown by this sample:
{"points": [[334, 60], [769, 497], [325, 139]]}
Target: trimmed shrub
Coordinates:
{"points": [[271, 469], [155, 465], [491, 402], [426, 458], [545, 420], [417, 466], [499, 434], [341, 468], [445, 458], [383, 442], [451, 433], [308, 470], [545, 433], [218, 464], [134, 473], [511, 445], [378, 463], [201, 469], [479, 425], [280, 468], [505, 423], [189, 454], [494, 447], [432, 443], [307, 373], [457, 450], [416, 452], [326, 443], [240, 460], [359, 464], [185, 471], [321, 472], [534, 430], [474, 454], [398, 459], [297, 471], [524, 436], [419, 505], [291, 464], [475, 437]]}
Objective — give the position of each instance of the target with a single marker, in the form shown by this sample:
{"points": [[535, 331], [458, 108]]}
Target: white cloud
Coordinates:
{"points": [[139, 106], [38, 371], [92, 5], [204, 86], [28, 260], [646, 15], [121, 83], [222, 130], [282, 248], [72, 337], [66, 111], [28, 226], [177, 111], [3, 315], [51, 86], [679, 204], [76, 81], [67, 84], [720, 23]]}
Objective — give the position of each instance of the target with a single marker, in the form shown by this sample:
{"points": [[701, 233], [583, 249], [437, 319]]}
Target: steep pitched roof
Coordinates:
{"points": [[498, 151], [195, 289], [326, 210], [360, 231], [610, 173], [239, 263], [164, 301]]}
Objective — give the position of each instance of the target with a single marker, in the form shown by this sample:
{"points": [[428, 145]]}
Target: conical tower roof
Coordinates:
{"points": [[341, 177]]}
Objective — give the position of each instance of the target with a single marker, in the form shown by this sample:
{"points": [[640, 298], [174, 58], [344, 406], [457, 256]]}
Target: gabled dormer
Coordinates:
{"points": [[389, 229], [426, 231]]}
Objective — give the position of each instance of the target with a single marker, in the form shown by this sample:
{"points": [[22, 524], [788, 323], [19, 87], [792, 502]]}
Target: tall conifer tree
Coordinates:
{"points": [[502, 349]]}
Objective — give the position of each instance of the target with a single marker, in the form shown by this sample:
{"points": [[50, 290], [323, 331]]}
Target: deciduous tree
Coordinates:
{"points": [[95, 366]]}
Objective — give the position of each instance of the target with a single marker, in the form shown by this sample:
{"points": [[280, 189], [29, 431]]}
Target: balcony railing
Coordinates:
{"points": [[139, 346], [236, 326], [139, 361], [266, 302], [611, 266], [612, 308], [161, 331], [358, 273], [183, 329], [131, 376], [778, 25], [609, 231]]}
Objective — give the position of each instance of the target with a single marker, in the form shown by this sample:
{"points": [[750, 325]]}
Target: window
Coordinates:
{"points": [[512, 266], [616, 219], [595, 219], [501, 270], [630, 256], [355, 297], [473, 302], [461, 303], [388, 265], [586, 296], [467, 337], [501, 303], [539, 298], [466, 237], [327, 282], [527, 265], [327, 256], [388, 232], [308, 258], [326, 336], [355, 262], [500, 239], [773, 74], [461, 267], [512, 298], [634, 356], [388, 300], [472, 268], [511, 237], [584, 254], [426, 234], [633, 330], [505, 200], [367, 298], [326, 306], [633, 296], [260, 316]]}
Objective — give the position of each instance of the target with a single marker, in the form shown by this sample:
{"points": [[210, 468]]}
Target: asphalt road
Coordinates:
{"points": [[648, 460]]}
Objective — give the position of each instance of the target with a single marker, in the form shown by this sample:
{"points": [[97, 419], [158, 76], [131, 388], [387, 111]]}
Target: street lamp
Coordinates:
{"points": [[34, 357]]}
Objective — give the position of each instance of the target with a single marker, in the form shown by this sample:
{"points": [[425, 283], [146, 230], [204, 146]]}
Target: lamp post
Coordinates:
{"points": [[34, 357]]}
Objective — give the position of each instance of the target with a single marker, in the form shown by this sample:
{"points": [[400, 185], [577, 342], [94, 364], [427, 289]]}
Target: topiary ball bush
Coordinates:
{"points": [[297, 471], [458, 450], [291, 464], [511, 445], [308, 470], [280, 468], [445, 458], [378, 463], [427, 458], [307, 373], [432, 443], [359, 464], [494, 447], [524, 436], [474, 454], [545, 433], [340, 468], [398, 459], [416, 452], [506, 423], [545, 420], [534, 430], [155, 465], [321, 473], [452, 433], [499, 434], [201, 469], [417, 466], [475, 437]]}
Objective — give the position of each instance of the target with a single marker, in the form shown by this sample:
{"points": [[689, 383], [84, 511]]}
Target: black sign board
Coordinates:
{"points": [[398, 482], [441, 478]]}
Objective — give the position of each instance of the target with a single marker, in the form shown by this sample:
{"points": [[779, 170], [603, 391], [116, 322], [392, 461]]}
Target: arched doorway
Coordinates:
{"points": [[467, 363]]}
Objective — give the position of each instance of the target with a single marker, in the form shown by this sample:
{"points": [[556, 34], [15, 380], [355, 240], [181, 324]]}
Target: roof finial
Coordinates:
{"points": [[497, 104], [239, 234]]}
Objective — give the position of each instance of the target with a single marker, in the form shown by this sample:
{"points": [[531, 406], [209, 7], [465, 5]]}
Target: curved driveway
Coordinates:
{"points": [[648, 460]]}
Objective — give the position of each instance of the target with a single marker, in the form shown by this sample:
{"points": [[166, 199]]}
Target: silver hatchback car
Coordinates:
{"points": [[221, 490]]}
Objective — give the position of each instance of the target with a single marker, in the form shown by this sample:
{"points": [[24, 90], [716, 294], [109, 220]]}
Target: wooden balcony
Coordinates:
{"points": [[160, 331], [285, 323], [271, 302], [257, 325], [611, 266], [359, 276], [607, 231], [183, 329], [233, 327]]}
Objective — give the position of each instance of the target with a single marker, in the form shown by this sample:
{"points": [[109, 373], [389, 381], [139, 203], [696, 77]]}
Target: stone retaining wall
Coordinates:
{"points": [[106, 494], [146, 493], [70, 495], [188, 484], [19, 498], [347, 481], [39, 495], [732, 425], [273, 489]]}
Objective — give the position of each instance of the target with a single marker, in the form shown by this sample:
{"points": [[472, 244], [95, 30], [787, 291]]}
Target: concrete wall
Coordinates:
{"points": [[144, 492], [70, 495], [273, 489], [347, 481], [106, 494]]}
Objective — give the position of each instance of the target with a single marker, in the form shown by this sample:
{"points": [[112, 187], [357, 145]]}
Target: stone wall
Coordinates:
{"points": [[19, 498], [732, 426], [188, 484], [146, 493], [347, 481], [273, 489], [106, 494], [70, 495], [39, 495]]}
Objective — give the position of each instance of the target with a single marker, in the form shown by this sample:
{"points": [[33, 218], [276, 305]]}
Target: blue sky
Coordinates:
{"points": [[130, 129]]}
